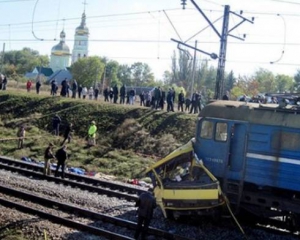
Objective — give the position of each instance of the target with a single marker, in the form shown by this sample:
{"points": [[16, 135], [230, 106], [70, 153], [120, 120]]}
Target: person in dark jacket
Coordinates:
{"points": [[226, 96], [170, 106], [38, 86], [162, 100], [122, 94], [146, 204], [195, 103], [180, 101], [142, 98], [61, 156], [116, 93], [68, 134], [55, 123], [111, 95], [74, 88], [96, 93], [64, 88], [4, 83], [106, 94], [53, 87], [187, 104], [79, 90]]}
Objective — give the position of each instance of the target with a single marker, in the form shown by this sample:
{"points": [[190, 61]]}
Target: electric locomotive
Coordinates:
{"points": [[254, 151]]}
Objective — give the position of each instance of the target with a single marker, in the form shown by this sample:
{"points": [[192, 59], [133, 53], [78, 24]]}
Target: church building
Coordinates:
{"points": [[81, 38], [60, 54]]}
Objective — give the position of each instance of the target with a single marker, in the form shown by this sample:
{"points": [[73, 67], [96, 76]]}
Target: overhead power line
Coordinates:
{"points": [[289, 2], [9, 1]]}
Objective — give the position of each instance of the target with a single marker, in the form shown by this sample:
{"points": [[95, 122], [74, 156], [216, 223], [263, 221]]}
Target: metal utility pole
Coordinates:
{"points": [[2, 58], [194, 69], [104, 76], [219, 90]]}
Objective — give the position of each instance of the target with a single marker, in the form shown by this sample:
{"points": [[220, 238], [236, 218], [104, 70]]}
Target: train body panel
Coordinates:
{"points": [[251, 145]]}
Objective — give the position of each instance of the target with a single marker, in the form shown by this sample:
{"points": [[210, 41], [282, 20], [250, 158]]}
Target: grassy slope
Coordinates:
{"points": [[129, 138]]}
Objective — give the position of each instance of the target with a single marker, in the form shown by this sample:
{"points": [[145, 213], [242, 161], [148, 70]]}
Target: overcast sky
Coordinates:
{"points": [[140, 30]]}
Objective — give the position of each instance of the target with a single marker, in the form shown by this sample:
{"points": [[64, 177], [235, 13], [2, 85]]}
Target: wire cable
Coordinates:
{"points": [[58, 11], [40, 39], [202, 30], [284, 40], [172, 25]]}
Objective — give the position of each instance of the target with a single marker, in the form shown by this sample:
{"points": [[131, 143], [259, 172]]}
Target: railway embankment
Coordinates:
{"points": [[129, 138]]}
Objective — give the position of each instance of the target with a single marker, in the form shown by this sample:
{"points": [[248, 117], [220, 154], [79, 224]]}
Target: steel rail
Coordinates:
{"points": [[76, 177], [64, 221], [86, 213], [83, 186]]}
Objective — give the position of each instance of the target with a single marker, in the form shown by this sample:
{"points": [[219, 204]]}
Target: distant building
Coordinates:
{"points": [[59, 76], [60, 54], [43, 71], [81, 43]]}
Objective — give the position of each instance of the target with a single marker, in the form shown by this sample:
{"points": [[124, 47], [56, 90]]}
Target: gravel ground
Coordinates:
{"points": [[35, 228]]}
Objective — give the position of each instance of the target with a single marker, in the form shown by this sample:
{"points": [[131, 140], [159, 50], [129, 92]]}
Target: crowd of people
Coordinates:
{"points": [[61, 154], [157, 98]]}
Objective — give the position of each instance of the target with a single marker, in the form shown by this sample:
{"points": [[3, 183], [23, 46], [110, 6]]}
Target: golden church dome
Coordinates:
{"points": [[61, 48], [82, 29]]}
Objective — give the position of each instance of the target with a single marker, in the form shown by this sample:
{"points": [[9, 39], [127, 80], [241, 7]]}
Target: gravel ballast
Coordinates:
{"points": [[35, 228]]}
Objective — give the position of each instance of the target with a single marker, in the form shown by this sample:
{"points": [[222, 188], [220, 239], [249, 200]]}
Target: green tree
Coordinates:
{"points": [[229, 81], [297, 80], [167, 77], [87, 70], [22, 61], [284, 83], [141, 74], [111, 73], [124, 74], [266, 80], [181, 69]]}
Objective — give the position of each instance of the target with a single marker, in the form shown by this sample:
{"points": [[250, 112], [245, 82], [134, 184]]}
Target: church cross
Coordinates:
{"points": [[84, 3]]}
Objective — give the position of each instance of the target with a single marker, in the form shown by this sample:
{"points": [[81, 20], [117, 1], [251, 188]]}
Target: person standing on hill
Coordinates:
{"points": [[116, 93], [122, 94], [180, 101], [84, 92], [21, 135], [64, 88], [91, 93], [68, 134], [4, 83], [56, 123], [96, 93], [74, 88], [28, 85], [61, 156], [47, 157], [170, 106], [79, 91], [146, 204], [38, 85], [92, 134], [53, 87]]}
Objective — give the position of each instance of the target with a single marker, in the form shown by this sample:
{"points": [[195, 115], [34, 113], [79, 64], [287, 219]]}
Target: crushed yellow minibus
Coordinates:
{"points": [[183, 186]]}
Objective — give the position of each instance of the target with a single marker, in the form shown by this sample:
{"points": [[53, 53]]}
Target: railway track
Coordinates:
{"points": [[77, 181], [81, 212], [95, 185]]}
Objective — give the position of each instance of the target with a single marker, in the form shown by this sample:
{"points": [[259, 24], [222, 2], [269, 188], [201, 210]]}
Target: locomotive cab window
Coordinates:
{"points": [[221, 132], [207, 129]]}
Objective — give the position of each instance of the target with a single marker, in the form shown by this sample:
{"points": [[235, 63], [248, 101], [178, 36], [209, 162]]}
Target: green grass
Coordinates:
{"points": [[129, 139]]}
